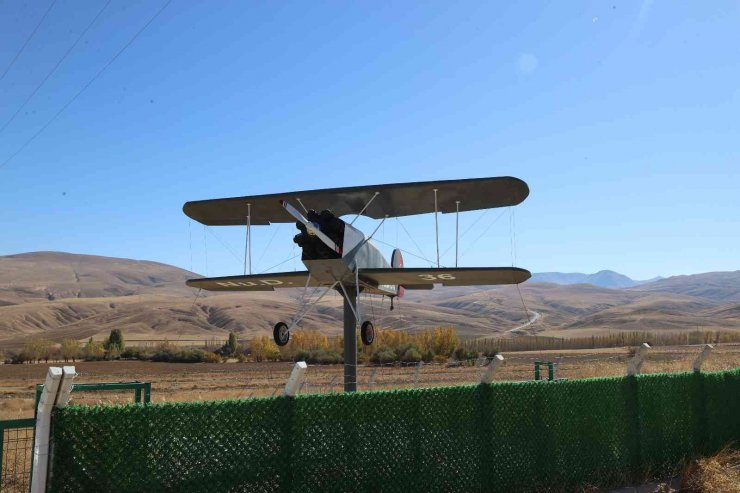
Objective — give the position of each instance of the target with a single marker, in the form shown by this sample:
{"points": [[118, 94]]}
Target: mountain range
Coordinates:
{"points": [[61, 295]]}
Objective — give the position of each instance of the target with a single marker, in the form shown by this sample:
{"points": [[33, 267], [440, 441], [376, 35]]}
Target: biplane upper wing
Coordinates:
{"points": [[392, 200], [257, 282], [460, 276]]}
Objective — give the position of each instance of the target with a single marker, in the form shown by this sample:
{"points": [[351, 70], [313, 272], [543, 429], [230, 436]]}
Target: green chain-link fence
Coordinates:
{"points": [[500, 437]]}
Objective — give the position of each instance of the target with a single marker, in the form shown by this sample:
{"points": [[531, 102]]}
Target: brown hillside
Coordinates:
{"points": [[717, 286], [60, 295]]}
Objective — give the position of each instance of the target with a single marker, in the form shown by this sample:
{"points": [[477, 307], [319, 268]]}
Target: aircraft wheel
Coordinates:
{"points": [[281, 333], [367, 332]]}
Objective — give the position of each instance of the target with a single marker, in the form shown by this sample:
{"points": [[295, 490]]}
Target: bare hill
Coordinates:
{"points": [[60, 295], [717, 286], [56, 275]]}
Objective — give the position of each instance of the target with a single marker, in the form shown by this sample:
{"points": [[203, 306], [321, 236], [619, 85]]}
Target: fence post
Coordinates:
{"points": [[297, 377], [417, 373], [557, 367], [702, 356], [634, 366], [488, 375], [373, 374], [56, 391]]}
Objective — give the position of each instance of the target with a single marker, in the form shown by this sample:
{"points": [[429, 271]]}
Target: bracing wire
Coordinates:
{"points": [[281, 263], [467, 250], [414, 241], [28, 39], [88, 84], [267, 248], [224, 244], [51, 72]]}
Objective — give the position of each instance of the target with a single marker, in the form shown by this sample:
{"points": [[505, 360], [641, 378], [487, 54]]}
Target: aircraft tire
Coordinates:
{"points": [[281, 333], [367, 332]]}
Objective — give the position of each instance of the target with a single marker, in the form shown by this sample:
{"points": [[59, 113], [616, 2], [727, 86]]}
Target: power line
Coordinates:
{"points": [[89, 83], [10, 120], [17, 55]]}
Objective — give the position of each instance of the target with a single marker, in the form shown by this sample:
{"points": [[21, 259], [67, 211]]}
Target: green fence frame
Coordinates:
{"points": [[22, 482], [141, 389], [21, 478]]}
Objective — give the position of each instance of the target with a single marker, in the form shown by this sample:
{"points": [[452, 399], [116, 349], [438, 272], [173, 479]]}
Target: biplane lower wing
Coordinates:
{"points": [[257, 282], [462, 276]]}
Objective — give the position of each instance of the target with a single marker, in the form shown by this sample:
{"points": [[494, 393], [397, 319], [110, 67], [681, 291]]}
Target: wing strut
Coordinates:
{"points": [[436, 224], [248, 246], [457, 228]]}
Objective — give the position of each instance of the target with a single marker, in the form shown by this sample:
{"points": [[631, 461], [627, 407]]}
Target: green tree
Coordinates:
{"points": [[70, 350], [231, 346], [94, 350], [115, 341]]}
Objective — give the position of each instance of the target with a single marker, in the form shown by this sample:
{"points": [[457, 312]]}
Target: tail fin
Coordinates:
{"points": [[397, 263]]}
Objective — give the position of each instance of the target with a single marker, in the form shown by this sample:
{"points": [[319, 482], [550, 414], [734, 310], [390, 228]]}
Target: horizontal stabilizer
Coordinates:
{"points": [[462, 276], [258, 282]]}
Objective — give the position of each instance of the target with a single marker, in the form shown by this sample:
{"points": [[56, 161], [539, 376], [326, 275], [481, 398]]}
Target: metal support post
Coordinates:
{"points": [[350, 343]]}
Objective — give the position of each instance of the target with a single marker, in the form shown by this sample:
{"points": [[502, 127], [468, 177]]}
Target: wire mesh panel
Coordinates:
{"points": [[16, 449], [523, 436]]}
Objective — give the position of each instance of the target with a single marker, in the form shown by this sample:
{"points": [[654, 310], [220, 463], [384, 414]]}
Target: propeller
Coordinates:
{"points": [[311, 227]]}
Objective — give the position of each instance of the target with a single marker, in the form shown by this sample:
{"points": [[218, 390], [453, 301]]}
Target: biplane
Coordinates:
{"points": [[340, 257]]}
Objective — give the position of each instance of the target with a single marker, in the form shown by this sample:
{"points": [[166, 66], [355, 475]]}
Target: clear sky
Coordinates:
{"points": [[623, 117]]}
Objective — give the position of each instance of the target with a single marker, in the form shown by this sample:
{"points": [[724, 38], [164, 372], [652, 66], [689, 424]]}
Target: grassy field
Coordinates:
{"points": [[209, 381]]}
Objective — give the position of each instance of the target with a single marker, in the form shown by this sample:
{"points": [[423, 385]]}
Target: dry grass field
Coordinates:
{"points": [[209, 381]]}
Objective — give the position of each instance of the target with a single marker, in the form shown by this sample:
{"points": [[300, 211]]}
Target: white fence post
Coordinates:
{"points": [[556, 370], [417, 373], [297, 377], [491, 370], [634, 366], [57, 387], [373, 374], [702, 356]]}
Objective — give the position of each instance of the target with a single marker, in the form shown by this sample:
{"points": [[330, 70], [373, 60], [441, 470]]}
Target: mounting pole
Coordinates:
{"points": [[457, 228], [350, 343], [248, 246], [436, 224]]}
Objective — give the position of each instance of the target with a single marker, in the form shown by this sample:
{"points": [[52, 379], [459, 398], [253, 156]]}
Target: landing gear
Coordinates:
{"points": [[367, 332], [281, 333]]}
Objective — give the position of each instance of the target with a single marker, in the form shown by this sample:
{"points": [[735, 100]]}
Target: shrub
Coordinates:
{"points": [[319, 357], [211, 357], [440, 358], [383, 354], [412, 355]]}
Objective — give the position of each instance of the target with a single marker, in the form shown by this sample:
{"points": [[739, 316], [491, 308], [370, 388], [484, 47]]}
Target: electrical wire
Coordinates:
{"points": [[88, 84], [69, 50], [30, 36]]}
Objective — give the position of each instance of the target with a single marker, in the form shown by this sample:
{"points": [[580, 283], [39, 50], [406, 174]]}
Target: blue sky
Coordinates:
{"points": [[623, 117]]}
